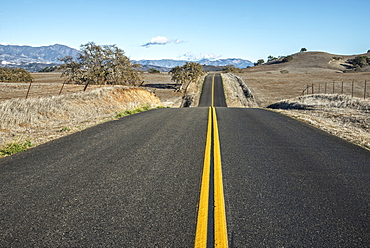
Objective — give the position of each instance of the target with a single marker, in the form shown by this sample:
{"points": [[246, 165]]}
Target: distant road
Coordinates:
{"points": [[212, 92], [136, 182]]}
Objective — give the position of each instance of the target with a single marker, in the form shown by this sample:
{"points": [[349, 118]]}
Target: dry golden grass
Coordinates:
{"points": [[45, 118], [343, 116], [332, 113], [273, 86]]}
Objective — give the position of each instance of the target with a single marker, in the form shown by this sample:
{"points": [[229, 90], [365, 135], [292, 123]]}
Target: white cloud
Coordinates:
{"points": [[196, 57], [161, 40]]}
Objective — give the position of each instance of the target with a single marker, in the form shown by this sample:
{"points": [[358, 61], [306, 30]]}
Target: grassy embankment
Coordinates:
{"points": [[42, 119]]}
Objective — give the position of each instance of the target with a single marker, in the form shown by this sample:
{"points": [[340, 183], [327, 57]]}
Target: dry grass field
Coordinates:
{"points": [[336, 112], [277, 81], [272, 86]]}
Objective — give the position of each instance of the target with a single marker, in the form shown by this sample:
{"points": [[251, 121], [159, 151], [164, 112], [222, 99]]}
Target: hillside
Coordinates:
{"points": [[309, 62]]}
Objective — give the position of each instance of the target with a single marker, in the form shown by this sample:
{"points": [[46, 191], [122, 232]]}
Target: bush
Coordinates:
{"points": [[259, 62], [284, 71], [15, 75], [232, 69], [152, 70], [287, 58], [337, 58], [360, 61]]}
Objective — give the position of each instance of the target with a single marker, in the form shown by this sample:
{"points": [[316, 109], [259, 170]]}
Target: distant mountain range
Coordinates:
{"points": [[170, 63], [11, 54], [37, 58]]}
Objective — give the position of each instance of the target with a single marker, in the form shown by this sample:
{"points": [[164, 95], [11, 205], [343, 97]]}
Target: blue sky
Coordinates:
{"points": [[164, 29]]}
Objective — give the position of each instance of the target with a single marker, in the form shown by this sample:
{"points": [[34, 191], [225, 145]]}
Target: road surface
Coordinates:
{"points": [[137, 182]]}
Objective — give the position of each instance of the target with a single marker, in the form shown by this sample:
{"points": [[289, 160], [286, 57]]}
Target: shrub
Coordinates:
{"points": [[284, 71], [152, 70], [360, 61], [287, 58], [15, 75], [259, 62], [232, 69], [337, 58]]}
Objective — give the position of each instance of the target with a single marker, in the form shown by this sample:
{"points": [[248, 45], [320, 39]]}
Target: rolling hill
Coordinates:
{"points": [[310, 62]]}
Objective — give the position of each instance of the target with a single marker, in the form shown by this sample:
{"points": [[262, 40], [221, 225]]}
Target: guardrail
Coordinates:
{"points": [[353, 88]]}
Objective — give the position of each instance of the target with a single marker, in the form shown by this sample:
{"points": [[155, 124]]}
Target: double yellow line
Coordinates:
{"points": [[220, 228]]}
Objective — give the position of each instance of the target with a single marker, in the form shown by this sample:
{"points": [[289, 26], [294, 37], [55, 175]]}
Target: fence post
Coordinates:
{"points": [[353, 82], [365, 90], [312, 90], [342, 88], [325, 88], [28, 91], [60, 92], [333, 87]]}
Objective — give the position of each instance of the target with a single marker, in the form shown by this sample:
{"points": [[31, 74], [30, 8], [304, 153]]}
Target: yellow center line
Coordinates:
{"points": [[219, 201], [201, 232], [220, 228], [213, 90]]}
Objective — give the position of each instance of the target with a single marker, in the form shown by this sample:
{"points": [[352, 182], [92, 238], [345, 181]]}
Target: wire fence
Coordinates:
{"points": [[26, 90], [352, 88]]}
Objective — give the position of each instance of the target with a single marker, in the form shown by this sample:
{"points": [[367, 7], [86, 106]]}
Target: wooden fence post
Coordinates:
{"points": [[28, 91], [333, 87], [60, 92], [342, 88], [365, 90], [353, 83]]}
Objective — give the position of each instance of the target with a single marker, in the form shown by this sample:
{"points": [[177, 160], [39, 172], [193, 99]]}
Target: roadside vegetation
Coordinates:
{"points": [[231, 69], [15, 75], [46, 118], [15, 147], [184, 75]]}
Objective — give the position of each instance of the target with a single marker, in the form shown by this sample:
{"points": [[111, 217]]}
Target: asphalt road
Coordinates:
{"points": [[135, 182], [212, 92]]}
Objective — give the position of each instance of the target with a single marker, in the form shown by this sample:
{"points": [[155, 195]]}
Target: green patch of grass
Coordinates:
{"points": [[135, 111], [131, 112], [65, 129], [15, 147]]}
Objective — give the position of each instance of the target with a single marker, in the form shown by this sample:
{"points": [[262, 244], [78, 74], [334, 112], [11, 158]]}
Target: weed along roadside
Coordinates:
{"points": [[50, 118], [15, 147]]}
